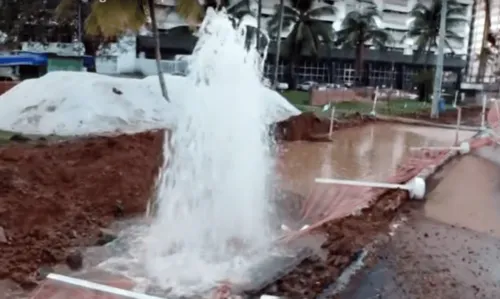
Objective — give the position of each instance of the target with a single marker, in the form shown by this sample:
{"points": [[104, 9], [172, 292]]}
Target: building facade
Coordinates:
{"points": [[394, 66], [475, 44]]}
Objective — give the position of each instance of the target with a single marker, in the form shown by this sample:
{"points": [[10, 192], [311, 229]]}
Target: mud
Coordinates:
{"points": [[307, 126], [371, 152], [345, 239], [56, 196], [471, 116]]}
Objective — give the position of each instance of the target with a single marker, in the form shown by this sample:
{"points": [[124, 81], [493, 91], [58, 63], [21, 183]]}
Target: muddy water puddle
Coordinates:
{"points": [[468, 195], [371, 152]]}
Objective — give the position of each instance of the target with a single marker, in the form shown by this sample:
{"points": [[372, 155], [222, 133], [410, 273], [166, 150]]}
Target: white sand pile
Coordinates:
{"points": [[79, 103]]}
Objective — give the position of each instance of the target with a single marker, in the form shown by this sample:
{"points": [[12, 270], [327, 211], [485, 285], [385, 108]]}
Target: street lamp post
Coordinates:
{"points": [[438, 76], [278, 45]]}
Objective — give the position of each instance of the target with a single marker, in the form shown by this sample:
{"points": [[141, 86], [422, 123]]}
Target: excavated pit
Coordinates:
{"points": [[58, 196]]}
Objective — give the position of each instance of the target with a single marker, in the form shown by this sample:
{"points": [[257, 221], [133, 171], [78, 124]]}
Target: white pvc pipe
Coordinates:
{"points": [[361, 183], [373, 112], [416, 186], [483, 113], [455, 100], [99, 287], [459, 120], [463, 148], [332, 119]]}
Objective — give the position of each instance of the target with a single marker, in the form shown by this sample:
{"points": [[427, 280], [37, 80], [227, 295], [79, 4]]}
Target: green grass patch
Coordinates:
{"points": [[393, 107], [296, 97]]}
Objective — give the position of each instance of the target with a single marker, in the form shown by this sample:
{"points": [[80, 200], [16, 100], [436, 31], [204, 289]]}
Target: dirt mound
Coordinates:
{"points": [[57, 196], [471, 116], [308, 126]]}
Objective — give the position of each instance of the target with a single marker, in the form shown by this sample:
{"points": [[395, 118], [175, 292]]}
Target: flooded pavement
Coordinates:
{"points": [[371, 152], [430, 259], [468, 195], [450, 246]]}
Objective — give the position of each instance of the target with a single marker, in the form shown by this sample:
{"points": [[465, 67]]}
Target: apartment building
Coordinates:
{"points": [[394, 66], [475, 43]]}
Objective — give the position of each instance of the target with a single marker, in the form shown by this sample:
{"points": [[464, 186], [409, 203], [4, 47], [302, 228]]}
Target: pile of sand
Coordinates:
{"points": [[78, 103]]}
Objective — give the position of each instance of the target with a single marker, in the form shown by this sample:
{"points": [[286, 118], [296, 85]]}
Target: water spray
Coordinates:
{"points": [[415, 187], [463, 148]]}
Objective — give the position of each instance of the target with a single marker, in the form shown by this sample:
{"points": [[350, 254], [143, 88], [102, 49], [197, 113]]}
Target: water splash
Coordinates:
{"points": [[213, 211]]}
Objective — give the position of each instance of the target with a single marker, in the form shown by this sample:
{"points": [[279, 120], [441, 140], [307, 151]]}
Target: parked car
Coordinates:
{"points": [[305, 86], [282, 86]]}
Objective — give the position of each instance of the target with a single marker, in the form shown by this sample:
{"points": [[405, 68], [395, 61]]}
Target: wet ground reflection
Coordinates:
{"points": [[469, 194], [370, 152]]}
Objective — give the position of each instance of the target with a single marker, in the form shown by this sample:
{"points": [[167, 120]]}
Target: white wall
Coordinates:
{"points": [[116, 58]]}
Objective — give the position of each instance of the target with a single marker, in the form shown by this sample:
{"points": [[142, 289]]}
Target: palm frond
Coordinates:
{"points": [[191, 10], [322, 11], [63, 10], [114, 17]]}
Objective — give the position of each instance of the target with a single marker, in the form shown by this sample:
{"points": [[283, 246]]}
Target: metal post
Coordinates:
{"points": [[278, 46], [438, 76], [459, 121], [483, 112]]}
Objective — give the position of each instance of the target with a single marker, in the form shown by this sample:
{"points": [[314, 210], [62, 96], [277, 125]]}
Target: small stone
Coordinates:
{"points": [[43, 272], [117, 91], [119, 209], [74, 260], [3, 237], [29, 283], [105, 236]]}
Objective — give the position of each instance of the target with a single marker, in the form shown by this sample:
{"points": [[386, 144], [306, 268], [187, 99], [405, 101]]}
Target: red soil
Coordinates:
{"points": [[307, 126], [471, 116], [57, 196], [345, 238]]}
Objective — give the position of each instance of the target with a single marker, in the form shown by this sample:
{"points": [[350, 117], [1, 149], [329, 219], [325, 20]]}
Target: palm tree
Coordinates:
{"points": [[359, 28], [194, 12], [424, 30], [112, 18], [308, 33]]}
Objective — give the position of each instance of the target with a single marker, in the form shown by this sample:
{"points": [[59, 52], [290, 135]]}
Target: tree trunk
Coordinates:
{"points": [[278, 46], [90, 47], [359, 61], [259, 22], [156, 35], [424, 87]]}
